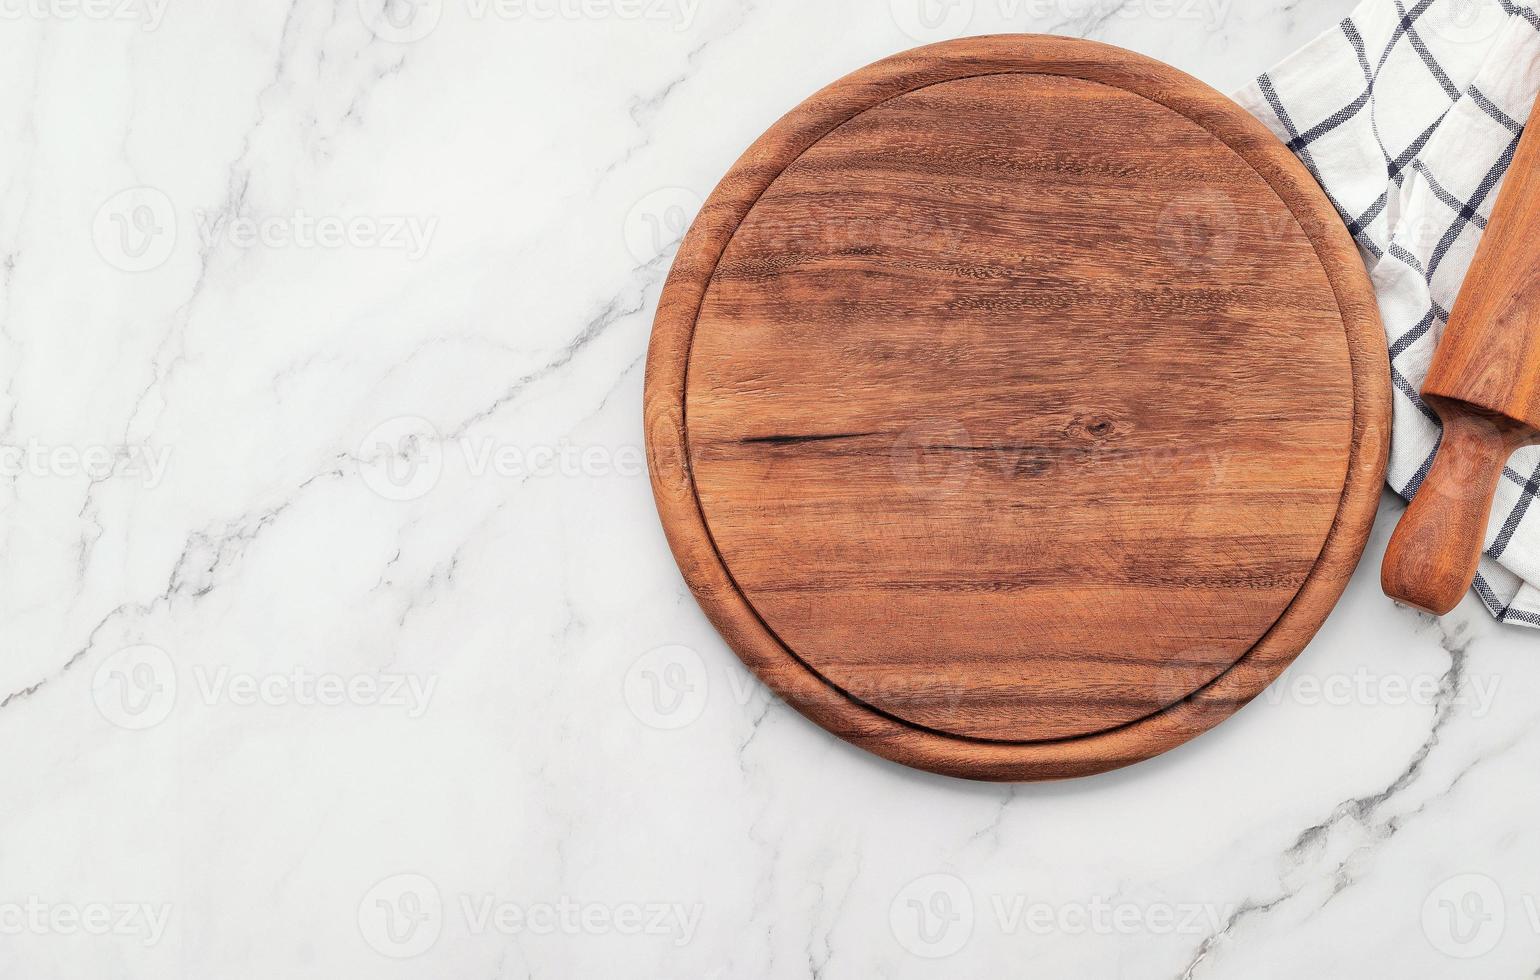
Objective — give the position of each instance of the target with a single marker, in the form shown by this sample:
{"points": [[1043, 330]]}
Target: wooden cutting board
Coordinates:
{"points": [[1017, 407]]}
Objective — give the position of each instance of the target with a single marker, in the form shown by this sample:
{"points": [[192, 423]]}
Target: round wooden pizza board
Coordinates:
{"points": [[1017, 407]]}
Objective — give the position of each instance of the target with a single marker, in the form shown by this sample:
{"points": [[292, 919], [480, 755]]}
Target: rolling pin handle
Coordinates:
{"points": [[1432, 558]]}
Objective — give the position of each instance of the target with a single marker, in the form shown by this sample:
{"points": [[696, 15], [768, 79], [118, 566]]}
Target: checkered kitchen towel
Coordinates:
{"points": [[1408, 114]]}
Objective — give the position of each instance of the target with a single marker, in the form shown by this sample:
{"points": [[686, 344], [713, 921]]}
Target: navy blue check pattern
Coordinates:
{"points": [[1408, 114]]}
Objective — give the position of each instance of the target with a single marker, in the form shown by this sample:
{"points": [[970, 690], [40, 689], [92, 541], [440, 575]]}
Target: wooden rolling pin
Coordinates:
{"points": [[1485, 386]]}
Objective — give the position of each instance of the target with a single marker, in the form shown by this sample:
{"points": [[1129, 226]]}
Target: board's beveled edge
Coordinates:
{"points": [[732, 614]]}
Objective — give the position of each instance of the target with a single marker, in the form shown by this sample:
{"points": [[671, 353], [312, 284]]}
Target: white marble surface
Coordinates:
{"points": [[272, 709]]}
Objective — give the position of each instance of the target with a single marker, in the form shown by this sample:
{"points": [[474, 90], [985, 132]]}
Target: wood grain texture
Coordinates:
{"points": [[1433, 555], [1484, 383], [1017, 407]]}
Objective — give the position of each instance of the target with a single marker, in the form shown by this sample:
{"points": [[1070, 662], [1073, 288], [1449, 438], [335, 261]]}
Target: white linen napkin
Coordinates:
{"points": [[1408, 114]]}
